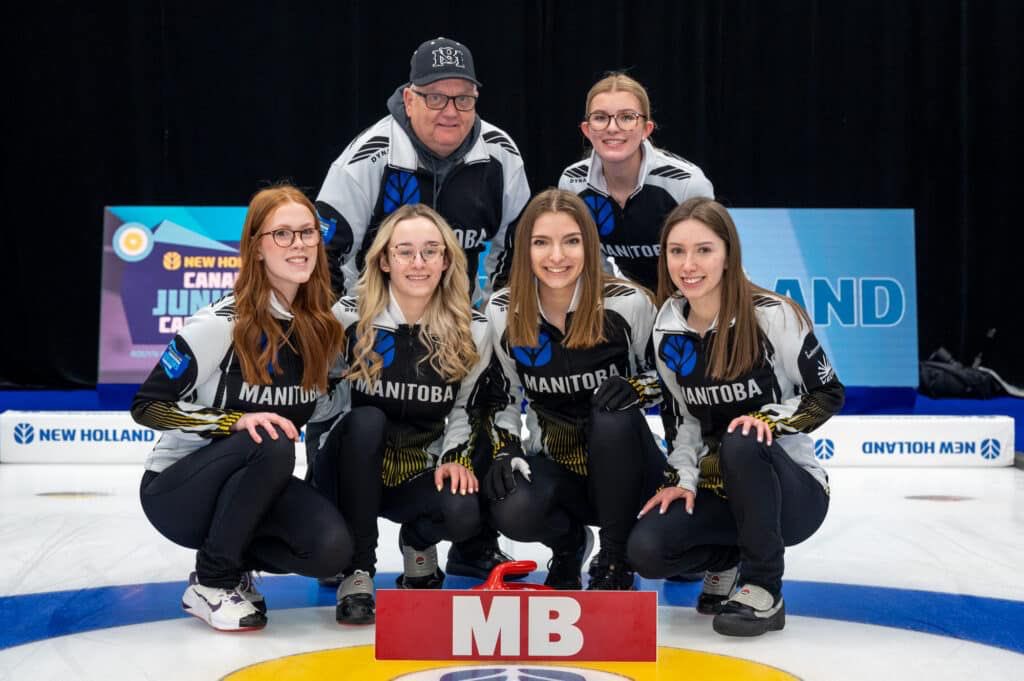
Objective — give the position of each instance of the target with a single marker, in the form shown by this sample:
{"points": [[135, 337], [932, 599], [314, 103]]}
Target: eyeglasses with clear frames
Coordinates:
{"points": [[406, 255], [438, 101], [286, 237], [626, 120]]}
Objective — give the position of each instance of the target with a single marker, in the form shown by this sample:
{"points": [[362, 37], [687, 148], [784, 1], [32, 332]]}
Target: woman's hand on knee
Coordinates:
{"points": [[762, 429], [267, 420], [463, 480], [664, 498]]}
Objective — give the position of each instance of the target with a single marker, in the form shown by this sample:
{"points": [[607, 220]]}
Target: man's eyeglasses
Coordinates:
{"points": [[286, 237], [438, 101], [626, 120], [406, 255]]}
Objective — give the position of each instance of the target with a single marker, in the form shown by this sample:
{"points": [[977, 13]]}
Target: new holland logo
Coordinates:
{"points": [[24, 433], [385, 346], [536, 356], [990, 449], [824, 449]]}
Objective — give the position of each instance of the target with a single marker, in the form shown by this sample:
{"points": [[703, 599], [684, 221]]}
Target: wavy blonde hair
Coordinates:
{"points": [[445, 326], [314, 333]]}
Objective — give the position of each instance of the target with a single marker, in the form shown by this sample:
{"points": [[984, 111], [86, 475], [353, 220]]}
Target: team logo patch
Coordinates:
{"points": [[536, 356], [174, 362], [679, 353], [400, 188], [133, 241], [601, 208], [24, 433], [328, 226], [384, 345]]}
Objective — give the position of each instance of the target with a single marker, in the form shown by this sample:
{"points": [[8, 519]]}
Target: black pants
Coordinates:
{"points": [[624, 467], [238, 503], [349, 468], [772, 503]]}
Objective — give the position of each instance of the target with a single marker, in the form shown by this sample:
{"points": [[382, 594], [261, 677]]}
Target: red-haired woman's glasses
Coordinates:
{"points": [[286, 237]]}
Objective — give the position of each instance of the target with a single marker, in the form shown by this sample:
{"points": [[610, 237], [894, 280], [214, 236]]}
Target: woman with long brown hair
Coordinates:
{"points": [[402, 448], [230, 394], [750, 380], [574, 340]]}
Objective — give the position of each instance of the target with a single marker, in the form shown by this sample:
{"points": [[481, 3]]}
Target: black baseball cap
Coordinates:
{"points": [[441, 58]]}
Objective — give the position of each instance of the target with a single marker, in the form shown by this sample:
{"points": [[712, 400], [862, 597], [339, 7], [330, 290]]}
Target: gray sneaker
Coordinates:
{"points": [[355, 599], [718, 587], [750, 611], [419, 568]]}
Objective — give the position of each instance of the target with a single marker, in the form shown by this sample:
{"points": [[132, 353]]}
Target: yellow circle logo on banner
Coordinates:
{"points": [[358, 664]]}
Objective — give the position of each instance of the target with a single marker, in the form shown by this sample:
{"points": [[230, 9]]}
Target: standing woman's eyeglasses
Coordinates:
{"points": [[626, 120]]}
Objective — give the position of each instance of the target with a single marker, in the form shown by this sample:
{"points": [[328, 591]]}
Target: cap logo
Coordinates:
{"points": [[448, 56]]}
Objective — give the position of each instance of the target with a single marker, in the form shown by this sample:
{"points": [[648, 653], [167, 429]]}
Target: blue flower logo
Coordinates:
{"points": [[536, 356], [24, 433], [824, 449], [990, 449], [384, 345], [400, 188], [604, 216], [679, 353]]}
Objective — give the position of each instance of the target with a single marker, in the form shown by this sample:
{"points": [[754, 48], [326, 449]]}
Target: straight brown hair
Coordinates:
{"points": [[524, 313], [737, 345], [315, 334]]}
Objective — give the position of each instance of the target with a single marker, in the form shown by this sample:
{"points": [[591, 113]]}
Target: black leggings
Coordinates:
{"points": [[624, 468], [772, 503], [238, 503], [349, 469]]}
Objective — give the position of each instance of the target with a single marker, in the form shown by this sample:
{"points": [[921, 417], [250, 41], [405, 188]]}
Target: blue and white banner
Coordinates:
{"points": [[853, 271]]}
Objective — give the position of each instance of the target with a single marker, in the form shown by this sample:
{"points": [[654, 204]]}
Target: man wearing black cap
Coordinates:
{"points": [[431, 149]]}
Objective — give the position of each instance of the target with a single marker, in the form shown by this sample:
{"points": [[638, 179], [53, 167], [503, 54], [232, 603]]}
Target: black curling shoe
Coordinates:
{"points": [[750, 611]]}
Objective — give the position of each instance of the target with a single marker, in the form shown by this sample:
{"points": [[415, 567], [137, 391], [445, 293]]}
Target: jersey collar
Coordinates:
{"points": [[596, 178]]}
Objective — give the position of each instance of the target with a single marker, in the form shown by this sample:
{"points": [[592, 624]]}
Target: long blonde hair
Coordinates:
{"points": [[314, 334], [737, 345], [445, 326], [524, 313]]}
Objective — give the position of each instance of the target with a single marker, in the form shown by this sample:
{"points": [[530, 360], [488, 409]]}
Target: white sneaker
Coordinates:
{"points": [[750, 611], [247, 589], [222, 609]]}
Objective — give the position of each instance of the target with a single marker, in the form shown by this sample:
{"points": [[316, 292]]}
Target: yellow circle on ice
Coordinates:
{"points": [[358, 664]]}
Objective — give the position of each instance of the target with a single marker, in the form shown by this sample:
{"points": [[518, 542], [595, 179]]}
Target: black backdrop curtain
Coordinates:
{"points": [[792, 103]]}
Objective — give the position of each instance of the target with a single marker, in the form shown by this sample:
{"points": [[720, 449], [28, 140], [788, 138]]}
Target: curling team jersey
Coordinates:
{"points": [[196, 391], [427, 423], [794, 390], [558, 382], [380, 171], [629, 234]]}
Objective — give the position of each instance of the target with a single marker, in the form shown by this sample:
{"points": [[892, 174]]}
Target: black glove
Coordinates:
{"points": [[500, 480], [615, 394]]}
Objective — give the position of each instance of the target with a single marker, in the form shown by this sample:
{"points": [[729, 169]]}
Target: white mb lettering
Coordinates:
{"points": [[551, 630]]}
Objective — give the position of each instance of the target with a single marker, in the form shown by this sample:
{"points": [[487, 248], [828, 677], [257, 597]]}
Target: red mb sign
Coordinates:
{"points": [[519, 625]]}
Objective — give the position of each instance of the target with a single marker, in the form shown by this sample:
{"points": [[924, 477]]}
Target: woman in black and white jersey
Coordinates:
{"points": [[402, 449], [230, 394], [749, 380], [573, 339]]}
